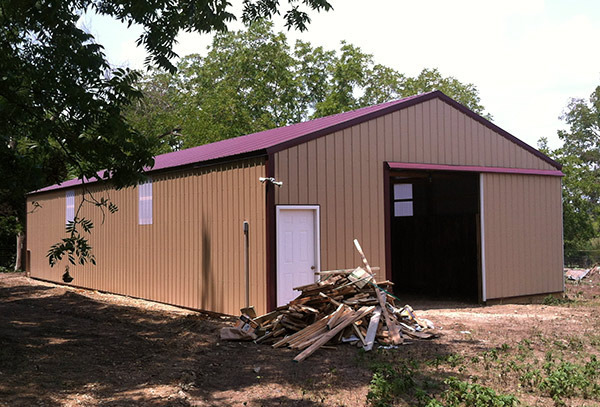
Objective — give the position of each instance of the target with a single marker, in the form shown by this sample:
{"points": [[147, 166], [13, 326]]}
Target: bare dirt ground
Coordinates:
{"points": [[61, 346]]}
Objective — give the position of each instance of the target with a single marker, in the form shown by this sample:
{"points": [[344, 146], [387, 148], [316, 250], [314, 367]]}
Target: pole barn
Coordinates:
{"points": [[443, 201]]}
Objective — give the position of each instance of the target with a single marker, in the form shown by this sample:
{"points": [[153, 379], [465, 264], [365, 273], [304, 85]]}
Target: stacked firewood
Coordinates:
{"points": [[345, 306]]}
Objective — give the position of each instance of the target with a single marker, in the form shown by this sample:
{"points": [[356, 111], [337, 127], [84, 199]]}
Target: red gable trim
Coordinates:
{"points": [[472, 168]]}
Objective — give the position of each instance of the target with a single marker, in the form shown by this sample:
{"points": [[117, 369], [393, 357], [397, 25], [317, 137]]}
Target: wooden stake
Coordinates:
{"points": [[364, 258], [392, 327]]}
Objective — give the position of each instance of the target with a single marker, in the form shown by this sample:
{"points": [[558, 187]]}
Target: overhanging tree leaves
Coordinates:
{"points": [[62, 104]]}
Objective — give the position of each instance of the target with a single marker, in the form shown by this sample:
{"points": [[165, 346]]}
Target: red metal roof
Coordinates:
{"points": [[283, 137]]}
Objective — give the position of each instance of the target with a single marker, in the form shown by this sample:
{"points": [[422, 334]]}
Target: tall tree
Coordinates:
{"points": [[253, 80], [580, 155], [61, 103]]}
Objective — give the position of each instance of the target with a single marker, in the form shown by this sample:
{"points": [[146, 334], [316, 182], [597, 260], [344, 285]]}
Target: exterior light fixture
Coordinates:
{"points": [[271, 180]]}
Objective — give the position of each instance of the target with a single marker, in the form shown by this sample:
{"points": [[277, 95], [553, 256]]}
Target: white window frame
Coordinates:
{"points": [[145, 206], [404, 206], [69, 206]]}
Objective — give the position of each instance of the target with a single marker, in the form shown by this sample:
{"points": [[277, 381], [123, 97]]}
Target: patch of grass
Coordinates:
{"points": [[575, 343], [566, 380], [530, 379], [404, 380], [524, 350], [465, 394], [389, 382], [551, 300], [451, 359], [595, 341], [8, 270]]}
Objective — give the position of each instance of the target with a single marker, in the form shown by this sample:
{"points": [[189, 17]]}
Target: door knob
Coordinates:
{"points": [[312, 267]]}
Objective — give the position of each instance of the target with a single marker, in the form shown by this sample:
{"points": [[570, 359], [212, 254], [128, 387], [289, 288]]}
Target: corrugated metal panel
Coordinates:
{"points": [[347, 181], [523, 235], [295, 134], [192, 253]]}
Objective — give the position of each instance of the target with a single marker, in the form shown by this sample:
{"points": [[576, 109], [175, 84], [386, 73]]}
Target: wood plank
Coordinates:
{"points": [[336, 316], [372, 331], [359, 334], [418, 335], [272, 334], [364, 258], [306, 331], [392, 327], [306, 342], [267, 317], [341, 271], [355, 316]]}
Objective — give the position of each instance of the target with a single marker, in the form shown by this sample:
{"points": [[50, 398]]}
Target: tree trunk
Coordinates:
{"points": [[19, 259]]}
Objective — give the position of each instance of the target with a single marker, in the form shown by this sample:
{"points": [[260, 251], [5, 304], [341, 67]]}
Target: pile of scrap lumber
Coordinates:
{"points": [[345, 306], [580, 274]]}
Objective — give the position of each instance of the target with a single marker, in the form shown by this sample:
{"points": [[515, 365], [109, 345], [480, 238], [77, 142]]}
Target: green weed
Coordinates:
{"points": [[595, 341], [464, 394], [575, 343], [565, 380], [451, 359], [389, 382], [551, 300], [530, 379]]}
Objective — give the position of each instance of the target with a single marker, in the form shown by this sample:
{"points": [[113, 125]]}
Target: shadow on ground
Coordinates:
{"points": [[59, 347]]}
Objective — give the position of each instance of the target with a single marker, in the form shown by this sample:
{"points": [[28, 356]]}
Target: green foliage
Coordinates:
{"points": [[531, 378], [580, 156], [75, 247], [466, 394], [253, 80], [8, 270], [556, 301], [567, 380], [62, 106], [391, 382], [388, 382]]}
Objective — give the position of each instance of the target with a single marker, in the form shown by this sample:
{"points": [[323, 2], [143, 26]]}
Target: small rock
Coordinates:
{"points": [[256, 370]]}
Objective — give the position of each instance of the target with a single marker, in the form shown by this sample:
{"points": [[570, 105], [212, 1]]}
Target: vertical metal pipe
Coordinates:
{"points": [[247, 262]]}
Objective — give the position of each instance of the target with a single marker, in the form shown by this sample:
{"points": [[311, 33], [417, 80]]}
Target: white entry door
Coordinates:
{"points": [[297, 249]]}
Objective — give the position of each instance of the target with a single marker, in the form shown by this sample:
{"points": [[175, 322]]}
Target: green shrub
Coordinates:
{"points": [[464, 394], [567, 380], [389, 382], [551, 300]]}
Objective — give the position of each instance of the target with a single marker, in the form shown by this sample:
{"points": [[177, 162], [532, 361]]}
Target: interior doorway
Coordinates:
{"points": [[435, 251]]}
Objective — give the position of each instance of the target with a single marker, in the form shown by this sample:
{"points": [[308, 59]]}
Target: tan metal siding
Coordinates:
{"points": [[191, 255], [346, 179], [523, 234]]}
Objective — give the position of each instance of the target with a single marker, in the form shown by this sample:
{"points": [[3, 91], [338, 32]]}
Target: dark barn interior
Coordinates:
{"points": [[435, 235]]}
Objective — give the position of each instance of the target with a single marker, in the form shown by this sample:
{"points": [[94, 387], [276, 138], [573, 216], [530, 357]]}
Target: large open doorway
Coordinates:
{"points": [[435, 234]]}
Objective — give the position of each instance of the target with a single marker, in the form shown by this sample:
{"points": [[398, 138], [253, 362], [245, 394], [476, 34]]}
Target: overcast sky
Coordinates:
{"points": [[527, 57]]}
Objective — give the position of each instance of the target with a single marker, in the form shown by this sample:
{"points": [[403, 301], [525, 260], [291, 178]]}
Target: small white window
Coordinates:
{"points": [[145, 203], [403, 200], [403, 208], [402, 191], [70, 212]]}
